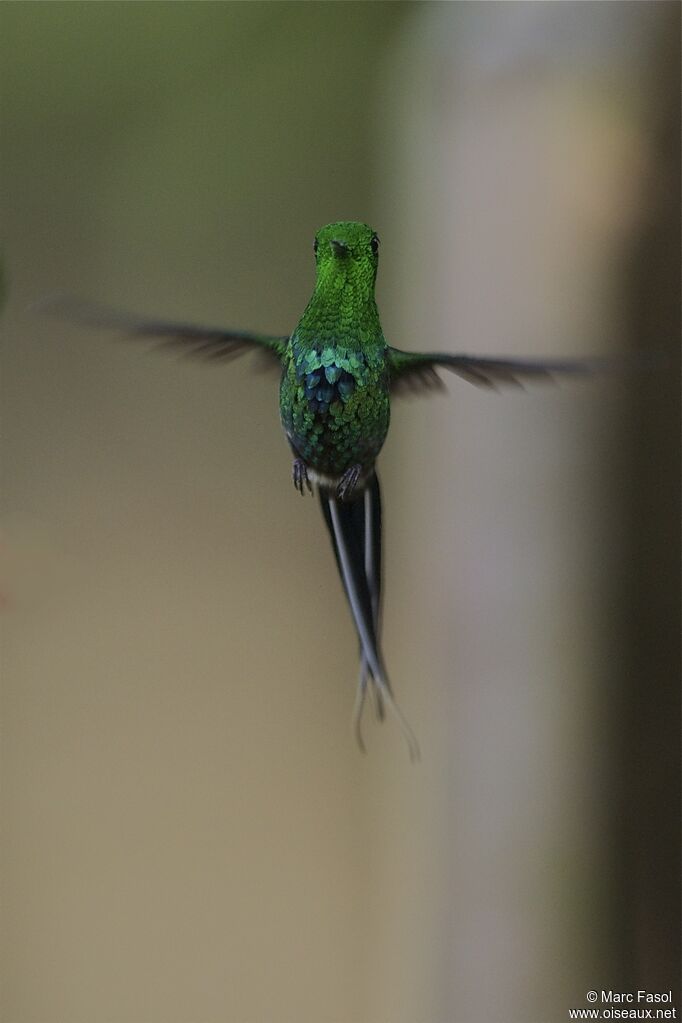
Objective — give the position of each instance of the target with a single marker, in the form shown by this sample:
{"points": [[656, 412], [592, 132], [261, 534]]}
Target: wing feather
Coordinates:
{"points": [[214, 343], [418, 371]]}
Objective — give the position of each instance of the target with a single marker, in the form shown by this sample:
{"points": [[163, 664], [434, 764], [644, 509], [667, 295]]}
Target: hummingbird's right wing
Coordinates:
{"points": [[204, 342], [417, 371]]}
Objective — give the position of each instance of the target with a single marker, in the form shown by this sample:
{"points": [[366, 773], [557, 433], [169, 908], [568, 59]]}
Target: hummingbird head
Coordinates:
{"points": [[347, 253]]}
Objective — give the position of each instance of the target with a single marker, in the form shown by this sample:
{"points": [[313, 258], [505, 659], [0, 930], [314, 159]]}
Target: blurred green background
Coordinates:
{"points": [[189, 833]]}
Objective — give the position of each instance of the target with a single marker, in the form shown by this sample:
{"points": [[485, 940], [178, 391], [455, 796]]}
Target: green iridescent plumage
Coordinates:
{"points": [[337, 377], [334, 399]]}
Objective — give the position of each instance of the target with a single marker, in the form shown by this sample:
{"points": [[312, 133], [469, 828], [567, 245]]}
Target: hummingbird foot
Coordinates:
{"points": [[300, 476], [348, 482]]}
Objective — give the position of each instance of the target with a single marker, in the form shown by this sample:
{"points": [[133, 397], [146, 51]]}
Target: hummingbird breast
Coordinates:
{"points": [[334, 406]]}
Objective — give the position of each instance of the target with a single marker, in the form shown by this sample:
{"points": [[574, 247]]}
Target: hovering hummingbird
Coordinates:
{"points": [[338, 376]]}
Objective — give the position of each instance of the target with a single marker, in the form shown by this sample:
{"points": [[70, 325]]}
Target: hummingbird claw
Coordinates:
{"points": [[300, 476], [348, 482]]}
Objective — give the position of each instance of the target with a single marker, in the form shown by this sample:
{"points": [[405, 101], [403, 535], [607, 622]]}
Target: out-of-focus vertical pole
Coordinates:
{"points": [[515, 156]]}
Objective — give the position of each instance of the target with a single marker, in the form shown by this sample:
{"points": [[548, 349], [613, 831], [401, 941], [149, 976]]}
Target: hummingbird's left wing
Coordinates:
{"points": [[205, 342], [418, 372]]}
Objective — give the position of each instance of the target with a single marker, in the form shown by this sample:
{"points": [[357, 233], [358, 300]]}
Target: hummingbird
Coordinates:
{"points": [[338, 376]]}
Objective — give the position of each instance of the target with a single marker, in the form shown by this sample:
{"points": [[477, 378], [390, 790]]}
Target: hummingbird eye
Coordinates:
{"points": [[374, 244], [315, 246]]}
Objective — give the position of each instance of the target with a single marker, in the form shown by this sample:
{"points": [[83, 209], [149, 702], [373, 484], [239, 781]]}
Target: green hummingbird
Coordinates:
{"points": [[338, 376]]}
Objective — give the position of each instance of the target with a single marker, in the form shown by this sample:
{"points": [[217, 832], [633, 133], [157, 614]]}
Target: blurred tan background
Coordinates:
{"points": [[189, 833]]}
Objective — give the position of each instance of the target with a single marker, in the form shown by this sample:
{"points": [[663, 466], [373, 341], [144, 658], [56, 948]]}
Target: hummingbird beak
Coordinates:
{"points": [[339, 248]]}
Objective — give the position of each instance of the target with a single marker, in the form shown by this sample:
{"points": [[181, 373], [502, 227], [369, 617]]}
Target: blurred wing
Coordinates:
{"points": [[417, 372], [204, 342]]}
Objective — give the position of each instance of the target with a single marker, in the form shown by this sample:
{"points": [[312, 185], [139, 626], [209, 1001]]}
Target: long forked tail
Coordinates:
{"points": [[362, 519], [355, 530]]}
